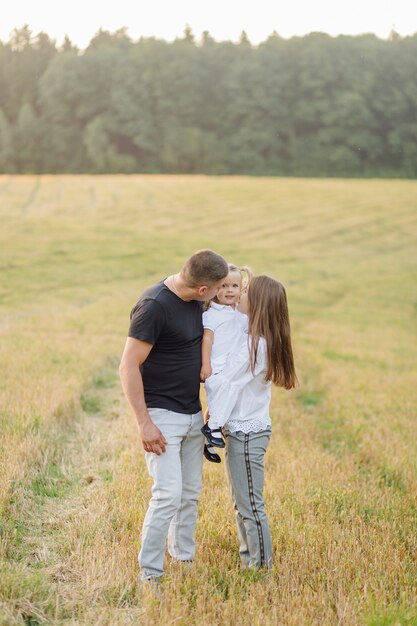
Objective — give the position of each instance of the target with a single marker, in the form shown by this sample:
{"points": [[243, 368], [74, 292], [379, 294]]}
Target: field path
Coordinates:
{"points": [[71, 531]]}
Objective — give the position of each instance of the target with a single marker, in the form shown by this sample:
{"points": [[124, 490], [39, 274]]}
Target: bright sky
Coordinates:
{"points": [[224, 19]]}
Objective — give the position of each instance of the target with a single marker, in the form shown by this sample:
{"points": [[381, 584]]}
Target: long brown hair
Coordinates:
{"points": [[268, 318]]}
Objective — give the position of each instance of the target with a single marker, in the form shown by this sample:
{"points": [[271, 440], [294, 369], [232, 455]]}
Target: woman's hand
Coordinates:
{"points": [[205, 372], [206, 416]]}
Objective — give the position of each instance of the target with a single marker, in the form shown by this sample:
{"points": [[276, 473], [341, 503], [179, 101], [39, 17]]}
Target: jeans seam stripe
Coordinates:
{"points": [[252, 499]]}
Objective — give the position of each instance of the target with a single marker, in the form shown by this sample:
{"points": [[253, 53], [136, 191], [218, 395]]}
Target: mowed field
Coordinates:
{"points": [[341, 479]]}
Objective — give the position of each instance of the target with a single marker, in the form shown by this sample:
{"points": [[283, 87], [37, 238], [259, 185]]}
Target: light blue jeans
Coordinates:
{"points": [[176, 474], [245, 454]]}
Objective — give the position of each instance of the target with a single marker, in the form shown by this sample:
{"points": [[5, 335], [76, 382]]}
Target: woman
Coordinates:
{"points": [[241, 403]]}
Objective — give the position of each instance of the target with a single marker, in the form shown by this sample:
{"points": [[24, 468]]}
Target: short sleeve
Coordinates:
{"points": [[147, 320], [210, 319]]}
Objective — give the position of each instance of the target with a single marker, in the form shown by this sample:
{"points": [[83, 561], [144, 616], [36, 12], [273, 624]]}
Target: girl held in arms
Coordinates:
{"points": [[223, 324]]}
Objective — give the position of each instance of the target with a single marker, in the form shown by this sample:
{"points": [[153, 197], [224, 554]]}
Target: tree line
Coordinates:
{"points": [[306, 106]]}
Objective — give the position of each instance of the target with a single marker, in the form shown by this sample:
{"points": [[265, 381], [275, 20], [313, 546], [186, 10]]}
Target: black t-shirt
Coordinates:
{"points": [[171, 373]]}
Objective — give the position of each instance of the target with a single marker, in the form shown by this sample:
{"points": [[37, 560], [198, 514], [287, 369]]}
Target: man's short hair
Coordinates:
{"points": [[205, 267]]}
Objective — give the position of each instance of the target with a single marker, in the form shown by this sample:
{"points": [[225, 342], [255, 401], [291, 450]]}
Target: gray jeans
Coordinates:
{"points": [[176, 474], [245, 470]]}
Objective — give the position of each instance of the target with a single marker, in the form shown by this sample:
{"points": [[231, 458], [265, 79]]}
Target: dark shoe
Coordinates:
{"points": [[211, 455], [217, 442]]}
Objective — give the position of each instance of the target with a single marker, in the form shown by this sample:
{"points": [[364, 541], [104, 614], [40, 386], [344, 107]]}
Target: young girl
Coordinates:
{"points": [[223, 324], [239, 401]]}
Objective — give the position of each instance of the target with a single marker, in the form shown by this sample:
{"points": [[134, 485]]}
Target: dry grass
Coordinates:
{"points": [[341, 477]]}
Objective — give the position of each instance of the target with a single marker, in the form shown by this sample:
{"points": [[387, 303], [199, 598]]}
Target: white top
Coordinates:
{"points": [[226, 324], [238, 398]]}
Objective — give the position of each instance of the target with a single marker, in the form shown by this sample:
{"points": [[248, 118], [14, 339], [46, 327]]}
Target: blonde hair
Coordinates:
{"points": [[246, 276], [268, 318]]}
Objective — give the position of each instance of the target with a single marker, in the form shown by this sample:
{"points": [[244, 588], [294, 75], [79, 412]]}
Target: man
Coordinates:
{"points": [[160, 374]]}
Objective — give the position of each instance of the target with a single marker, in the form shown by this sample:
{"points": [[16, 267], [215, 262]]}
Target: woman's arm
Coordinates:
{"points": [[225, 387]]}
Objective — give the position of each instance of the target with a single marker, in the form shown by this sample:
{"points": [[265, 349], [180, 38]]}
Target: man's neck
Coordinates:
{"points": [[176, 284]]}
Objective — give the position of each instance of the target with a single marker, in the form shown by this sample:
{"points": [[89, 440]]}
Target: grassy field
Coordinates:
{"points": [[341, 480]]}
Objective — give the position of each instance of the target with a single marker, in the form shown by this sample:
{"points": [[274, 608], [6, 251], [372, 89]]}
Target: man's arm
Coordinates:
{"points": [[135, 353]]}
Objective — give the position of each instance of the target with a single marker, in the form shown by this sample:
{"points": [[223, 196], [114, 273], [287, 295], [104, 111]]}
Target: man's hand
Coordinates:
{"points": [[152, 438], [134, 354], [205, 372]]}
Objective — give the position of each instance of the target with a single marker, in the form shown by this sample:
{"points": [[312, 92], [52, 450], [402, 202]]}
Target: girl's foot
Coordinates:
{"points": [[211, 436], [211, 455]]}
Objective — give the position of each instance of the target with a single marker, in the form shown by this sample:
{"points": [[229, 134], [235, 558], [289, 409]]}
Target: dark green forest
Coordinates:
{"points": [[306, 106]]}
